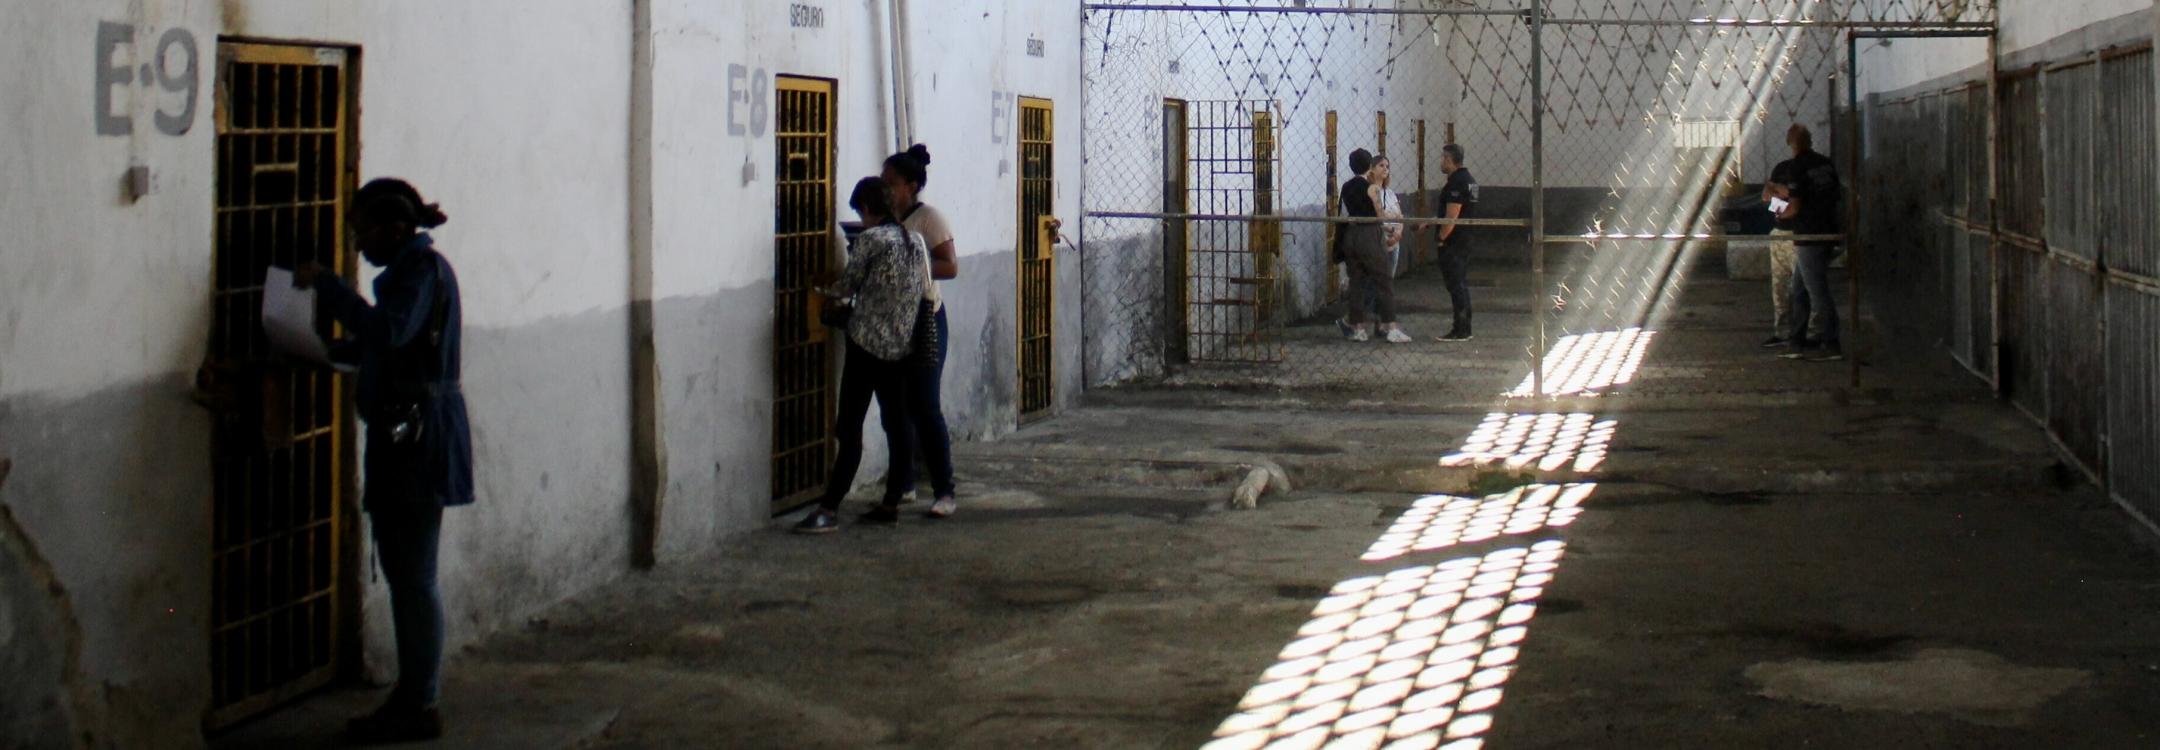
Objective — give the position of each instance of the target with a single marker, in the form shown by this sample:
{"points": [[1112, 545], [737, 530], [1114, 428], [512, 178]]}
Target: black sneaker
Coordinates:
{"points": [[1797, 353], [388, 725], [819, 522], [1774, 342], [1342, 326], [1459, 334], [1832, 354], [885, 513]]}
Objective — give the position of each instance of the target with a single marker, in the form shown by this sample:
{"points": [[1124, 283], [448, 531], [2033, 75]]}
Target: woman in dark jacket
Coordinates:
{"points": [[419, 445]]}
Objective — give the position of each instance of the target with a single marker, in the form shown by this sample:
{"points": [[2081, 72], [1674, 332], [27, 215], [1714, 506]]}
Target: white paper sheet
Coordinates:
{"points": [[288, 317]]}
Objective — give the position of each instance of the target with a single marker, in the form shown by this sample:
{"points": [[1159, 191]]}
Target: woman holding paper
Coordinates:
{"points": [[419, 446]]}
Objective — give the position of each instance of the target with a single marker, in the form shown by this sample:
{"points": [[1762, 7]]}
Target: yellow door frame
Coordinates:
{"points": [[243, 549], [1044, 252]]}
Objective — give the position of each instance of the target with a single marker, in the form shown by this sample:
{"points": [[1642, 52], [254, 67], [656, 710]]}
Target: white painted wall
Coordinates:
{"points": [[2024, 24], [421, 74], [713, 218], [516, 115], [2028, 23], [715, 227]]}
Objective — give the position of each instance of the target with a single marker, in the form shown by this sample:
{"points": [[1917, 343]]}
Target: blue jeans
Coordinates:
{"points": [[407, 536], [926, 409], [1812, 299]]}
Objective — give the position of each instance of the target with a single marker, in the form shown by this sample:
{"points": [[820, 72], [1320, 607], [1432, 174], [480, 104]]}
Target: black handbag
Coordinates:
{"points": [[836, 316], [928, 347]]}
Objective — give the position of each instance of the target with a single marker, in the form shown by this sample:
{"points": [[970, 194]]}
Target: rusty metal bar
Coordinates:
{"points": [[1957, 33], [1974, 27], [1852, 201], [1090, 7], [1538, 307], [1306, 219], [1730, 239]]}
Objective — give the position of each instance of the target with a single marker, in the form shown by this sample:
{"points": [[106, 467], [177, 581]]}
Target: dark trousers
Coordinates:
{"points": [[1455, 270], [1372, 280], [407, 537], [1812, 299], [1394, 265], [862, 377], [926, 410]]}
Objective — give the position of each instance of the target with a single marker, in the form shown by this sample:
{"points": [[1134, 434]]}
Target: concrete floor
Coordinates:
{"points": [[1761, 557]]}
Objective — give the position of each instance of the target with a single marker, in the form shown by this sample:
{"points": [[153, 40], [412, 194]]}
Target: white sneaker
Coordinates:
{"points": [[1396, 336], [1361, 335]]}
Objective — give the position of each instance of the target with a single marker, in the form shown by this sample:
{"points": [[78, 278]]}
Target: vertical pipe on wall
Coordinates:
{"points": [[888, 63], [896, 73], [903, 74], [648, 477], [1850, 144]]}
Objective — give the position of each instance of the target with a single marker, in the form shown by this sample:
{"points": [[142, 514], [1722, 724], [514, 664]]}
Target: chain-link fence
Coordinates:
{"points": [[1218, 136]]}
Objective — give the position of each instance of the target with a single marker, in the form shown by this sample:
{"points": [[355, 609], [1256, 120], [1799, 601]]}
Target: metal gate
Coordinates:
{"points": [[1234, 313], [283, 176], [804, 376], [1037, 266]]}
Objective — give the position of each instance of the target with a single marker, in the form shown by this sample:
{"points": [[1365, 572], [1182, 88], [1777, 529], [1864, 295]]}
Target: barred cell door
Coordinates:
{"points": [[1234, 315], [1036, 267], [804, 376], [284, 125]]}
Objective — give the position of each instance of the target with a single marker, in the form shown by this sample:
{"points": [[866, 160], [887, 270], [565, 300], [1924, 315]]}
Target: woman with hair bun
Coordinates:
{"points": [[419, 444], [905, 175], [881, 289]]}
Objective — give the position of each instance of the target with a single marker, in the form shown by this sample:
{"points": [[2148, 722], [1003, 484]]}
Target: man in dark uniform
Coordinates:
{"points": [[1809, 184], [1460, 198]]}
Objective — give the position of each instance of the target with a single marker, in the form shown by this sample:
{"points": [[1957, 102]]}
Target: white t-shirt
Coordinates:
{"points": [[926, 221], [1391, 206]]}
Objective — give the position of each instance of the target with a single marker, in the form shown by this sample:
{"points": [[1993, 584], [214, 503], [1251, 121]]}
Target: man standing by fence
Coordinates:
{"points": [[1808, 183], [1460, 198]]}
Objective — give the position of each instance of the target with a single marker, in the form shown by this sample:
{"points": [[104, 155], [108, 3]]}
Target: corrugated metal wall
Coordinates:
{"points": [[2061, 295], [2130, 256], [2134, 397]]}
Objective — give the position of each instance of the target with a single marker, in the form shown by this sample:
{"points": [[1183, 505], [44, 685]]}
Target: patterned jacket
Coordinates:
{"points": [[885, 277]]}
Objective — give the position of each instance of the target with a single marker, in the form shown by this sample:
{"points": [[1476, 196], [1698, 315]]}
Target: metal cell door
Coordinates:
{"points": [[1037, 254], [283, 175], [1235, 315], [803, 361]]}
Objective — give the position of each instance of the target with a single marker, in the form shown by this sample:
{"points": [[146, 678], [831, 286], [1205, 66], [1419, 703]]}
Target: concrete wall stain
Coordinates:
{"points": [[43, 704]]}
